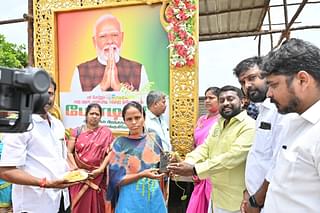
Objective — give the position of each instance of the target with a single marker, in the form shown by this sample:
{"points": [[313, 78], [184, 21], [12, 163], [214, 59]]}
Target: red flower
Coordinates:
{"points": [[189, 41], [178, 64], [182, 34], [171, 36], [176, 2], [190, 62], [182, 15], [169, 12], [181, 50], [176, 28], [178, 17], [190, 6]]}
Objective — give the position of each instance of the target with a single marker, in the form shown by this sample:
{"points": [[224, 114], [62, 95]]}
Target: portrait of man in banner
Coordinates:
{"points": [[108, 71], [109, 56]]}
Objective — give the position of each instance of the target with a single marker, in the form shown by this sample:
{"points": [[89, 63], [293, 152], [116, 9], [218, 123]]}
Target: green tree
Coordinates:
{"points": [[12, 55]]}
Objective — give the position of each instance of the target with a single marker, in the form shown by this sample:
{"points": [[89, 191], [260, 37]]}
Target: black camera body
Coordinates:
{"points": [[22, 93]]}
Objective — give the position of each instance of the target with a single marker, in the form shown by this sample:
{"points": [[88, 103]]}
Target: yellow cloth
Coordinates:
{"points": [[222, 158]]}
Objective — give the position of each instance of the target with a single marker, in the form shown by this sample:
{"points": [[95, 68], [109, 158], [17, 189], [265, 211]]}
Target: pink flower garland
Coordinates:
{"points": [[180, 15]]}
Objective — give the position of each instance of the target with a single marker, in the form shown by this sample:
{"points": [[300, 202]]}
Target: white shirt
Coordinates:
{"points": [[160, 126], [40, 152], [295, 185], [270, 126], [76, 85]]}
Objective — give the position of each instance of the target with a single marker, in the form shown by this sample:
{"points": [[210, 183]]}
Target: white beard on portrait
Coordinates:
{"points": [[103, 53]]}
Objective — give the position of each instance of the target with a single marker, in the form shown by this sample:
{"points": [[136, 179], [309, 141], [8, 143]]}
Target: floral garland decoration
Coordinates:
{"points": [[180, 16]]}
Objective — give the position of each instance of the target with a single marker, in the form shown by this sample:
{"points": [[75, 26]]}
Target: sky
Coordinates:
{"points": [[216, 58]]}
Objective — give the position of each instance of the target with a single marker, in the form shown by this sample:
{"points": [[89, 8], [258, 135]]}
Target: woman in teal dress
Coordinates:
{"points": [[133, 174]]}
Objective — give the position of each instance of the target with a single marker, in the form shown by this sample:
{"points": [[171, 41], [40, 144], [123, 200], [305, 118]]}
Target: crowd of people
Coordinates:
{"points": [[243, 161]]}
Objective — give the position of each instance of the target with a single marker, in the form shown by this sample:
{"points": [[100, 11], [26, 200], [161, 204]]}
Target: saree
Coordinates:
{"points": [[201, 195], [131, 156], [91, 148]]}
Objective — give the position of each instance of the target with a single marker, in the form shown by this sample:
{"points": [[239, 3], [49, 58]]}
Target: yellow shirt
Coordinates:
{"points": [[222, 158]]}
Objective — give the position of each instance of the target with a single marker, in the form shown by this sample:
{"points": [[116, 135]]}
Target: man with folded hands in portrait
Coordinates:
{"points": [[108, 71]]}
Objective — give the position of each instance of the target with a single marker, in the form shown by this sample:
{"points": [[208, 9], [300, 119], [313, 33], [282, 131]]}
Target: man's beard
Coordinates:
{"points": [[228, 115], [257, 95], [103, 57], [48, 107], [292, 105]]}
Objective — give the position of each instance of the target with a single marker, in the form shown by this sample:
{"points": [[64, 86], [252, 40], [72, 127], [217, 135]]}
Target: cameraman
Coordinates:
{"points": [[35, 162]]}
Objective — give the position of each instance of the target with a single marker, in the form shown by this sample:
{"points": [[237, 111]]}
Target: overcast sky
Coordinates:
{"points": [[216, 58]]}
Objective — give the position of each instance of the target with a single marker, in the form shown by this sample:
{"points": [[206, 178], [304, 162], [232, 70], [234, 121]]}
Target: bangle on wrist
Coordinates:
{"points": [[43, 182]]}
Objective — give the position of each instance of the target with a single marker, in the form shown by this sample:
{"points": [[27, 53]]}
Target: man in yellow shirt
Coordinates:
{"points": [[222, 157]]}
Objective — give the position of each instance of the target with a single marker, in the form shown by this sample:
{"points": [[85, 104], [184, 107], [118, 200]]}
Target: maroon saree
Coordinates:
{"points": [[91, 148]]}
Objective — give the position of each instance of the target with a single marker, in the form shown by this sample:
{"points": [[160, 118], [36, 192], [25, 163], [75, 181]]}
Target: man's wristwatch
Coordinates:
{"points": [[194, 172], [253, 202]]}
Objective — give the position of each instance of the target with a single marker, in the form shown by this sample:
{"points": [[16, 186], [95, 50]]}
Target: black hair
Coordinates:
{"points": [[93, 105], [135, 105], [53, 84], [214, 90], [247, 64], [293, 56], [232, 88]]}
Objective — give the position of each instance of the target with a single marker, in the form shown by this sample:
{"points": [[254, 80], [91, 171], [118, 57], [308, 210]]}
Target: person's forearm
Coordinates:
{"points": [[130, 178], [18, 176], [105, 162], [260, 195], [71, 161]]}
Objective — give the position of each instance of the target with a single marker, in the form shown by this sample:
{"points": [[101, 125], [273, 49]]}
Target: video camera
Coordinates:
{"points": [[22, 93]]}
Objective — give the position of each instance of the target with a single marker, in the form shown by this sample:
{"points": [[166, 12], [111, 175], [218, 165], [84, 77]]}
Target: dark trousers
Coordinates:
{"points": [[61, 209], [175, 204]]}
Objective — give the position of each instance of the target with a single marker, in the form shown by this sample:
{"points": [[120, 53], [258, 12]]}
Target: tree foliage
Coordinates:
{"points": [[12, 55]]}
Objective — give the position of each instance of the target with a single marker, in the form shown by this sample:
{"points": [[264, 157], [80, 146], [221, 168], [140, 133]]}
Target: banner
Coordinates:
{"points": [[142, 49]]}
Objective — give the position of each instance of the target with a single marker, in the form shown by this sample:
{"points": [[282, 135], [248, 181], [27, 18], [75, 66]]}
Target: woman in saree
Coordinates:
{"points": [[201, 195], [89, 149], [134, 178]]}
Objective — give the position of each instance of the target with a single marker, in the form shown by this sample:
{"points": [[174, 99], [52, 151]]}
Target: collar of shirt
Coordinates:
{"points": [[265, 104], [153, 116], [312, 114], [38, 118], [240, 117]]}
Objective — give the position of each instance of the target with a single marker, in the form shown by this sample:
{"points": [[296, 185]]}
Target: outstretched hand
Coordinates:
{"points": [[181, 168], [151, 173], [59, 184], [94, 173]]}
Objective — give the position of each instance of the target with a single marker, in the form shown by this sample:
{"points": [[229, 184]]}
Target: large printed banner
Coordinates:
{"points": [[109, 56], [74, 110]]}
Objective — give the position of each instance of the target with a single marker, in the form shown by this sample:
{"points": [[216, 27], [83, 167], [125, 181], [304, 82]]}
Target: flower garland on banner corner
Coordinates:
{"points": [[180, 15]]}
